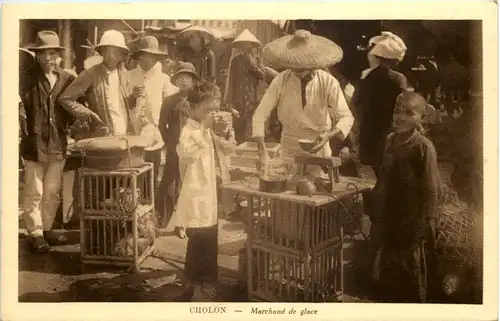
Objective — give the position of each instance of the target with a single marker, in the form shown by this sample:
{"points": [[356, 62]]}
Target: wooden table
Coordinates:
{"points": [[294, 246]]}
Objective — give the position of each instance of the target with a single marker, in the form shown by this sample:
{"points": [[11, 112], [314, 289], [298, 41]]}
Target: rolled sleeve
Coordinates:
{"points": [[77, 89], [338, 106], [266, 106]]}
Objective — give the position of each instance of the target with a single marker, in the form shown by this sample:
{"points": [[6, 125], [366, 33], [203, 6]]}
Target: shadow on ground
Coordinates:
{"points": [[153, 286]]}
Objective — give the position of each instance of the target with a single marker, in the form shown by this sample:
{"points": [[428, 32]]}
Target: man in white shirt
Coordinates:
{"points": [[309, 101], [151, 87], [106, 88], [149, 81]]}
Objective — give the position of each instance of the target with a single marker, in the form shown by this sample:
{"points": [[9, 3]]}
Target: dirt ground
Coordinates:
{"points": [[57, 276]]}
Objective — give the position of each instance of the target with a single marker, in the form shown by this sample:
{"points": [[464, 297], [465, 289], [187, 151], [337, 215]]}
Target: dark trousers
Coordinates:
{"points": [[155, 158], [404, 274], [201, 254], [168, 189]]}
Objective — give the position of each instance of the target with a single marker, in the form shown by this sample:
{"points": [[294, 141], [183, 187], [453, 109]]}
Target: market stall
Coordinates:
{"points": [[295, 235]]}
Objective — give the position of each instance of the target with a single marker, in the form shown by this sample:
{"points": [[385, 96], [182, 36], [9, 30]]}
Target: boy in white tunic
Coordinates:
{"points": [[200, 151]]}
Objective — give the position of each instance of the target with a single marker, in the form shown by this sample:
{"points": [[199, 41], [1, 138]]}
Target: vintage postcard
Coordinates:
{"points": [[311, 161]]}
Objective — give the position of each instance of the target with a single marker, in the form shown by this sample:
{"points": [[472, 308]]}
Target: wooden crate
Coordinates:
{"points": [[116, 225], [275, 276]]}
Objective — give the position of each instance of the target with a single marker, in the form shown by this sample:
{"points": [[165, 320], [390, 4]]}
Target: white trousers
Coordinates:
{"points": [[41, 195]]}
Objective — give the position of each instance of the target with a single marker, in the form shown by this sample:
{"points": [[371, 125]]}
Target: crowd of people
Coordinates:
{"points": [[377, 123]]}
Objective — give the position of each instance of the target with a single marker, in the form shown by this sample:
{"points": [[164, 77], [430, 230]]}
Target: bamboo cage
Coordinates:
{"points": [[117, 222], [294, 246]]}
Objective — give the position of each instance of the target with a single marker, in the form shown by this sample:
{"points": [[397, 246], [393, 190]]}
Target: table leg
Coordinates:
{"points": [[249, 245]]}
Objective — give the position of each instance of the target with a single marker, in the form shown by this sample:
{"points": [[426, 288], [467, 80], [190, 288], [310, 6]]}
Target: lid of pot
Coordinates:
{"points": [[111, 143]]}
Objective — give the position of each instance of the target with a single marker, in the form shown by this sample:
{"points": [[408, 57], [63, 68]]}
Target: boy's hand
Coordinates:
{"points": [[180, 232], [220, 126], [345, 154]]}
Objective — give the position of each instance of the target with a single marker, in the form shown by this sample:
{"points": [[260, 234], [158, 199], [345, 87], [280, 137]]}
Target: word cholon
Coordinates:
{"points": [[207, 310]]}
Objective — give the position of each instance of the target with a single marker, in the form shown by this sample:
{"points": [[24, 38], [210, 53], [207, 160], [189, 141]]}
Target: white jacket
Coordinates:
{"points": [[197, 150]]}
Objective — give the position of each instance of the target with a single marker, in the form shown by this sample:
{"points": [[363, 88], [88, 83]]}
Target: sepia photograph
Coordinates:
{"points": [[236, 161]]}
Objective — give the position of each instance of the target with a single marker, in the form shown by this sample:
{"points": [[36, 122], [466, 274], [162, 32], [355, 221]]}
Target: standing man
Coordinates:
{"points": [[43, 143], [107, 89], [375, 97], [151, 87], [244, 76], [310, 102]]}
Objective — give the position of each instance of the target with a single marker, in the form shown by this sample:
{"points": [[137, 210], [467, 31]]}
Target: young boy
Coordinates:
{"points": [[405, 199], [201, 149]]}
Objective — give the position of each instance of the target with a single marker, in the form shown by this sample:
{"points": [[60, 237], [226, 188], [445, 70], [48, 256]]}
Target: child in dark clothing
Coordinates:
{"points": [[405, 199]]}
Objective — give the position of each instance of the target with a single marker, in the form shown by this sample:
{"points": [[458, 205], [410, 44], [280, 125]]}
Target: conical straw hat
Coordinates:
{"points": [[246, 37], [208, 36], [302, 50]]}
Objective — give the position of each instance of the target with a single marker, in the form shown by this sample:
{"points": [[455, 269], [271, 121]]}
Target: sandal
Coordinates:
{"points": [[40, 244], [54, 238]]}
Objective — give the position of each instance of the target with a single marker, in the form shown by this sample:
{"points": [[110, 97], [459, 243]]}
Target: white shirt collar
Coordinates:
{"points": [[154, 70]]}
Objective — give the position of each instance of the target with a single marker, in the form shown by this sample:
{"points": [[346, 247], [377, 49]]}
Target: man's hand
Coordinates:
{"points": [[95, 118], [345, 154], [322, 140], [139, 91], [235, 113], [180, 232]]}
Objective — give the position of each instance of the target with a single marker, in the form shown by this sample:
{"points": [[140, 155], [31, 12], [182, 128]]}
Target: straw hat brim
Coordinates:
{"points": [[241, 43], [183, 71], [315, 52], [160, 54]]}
